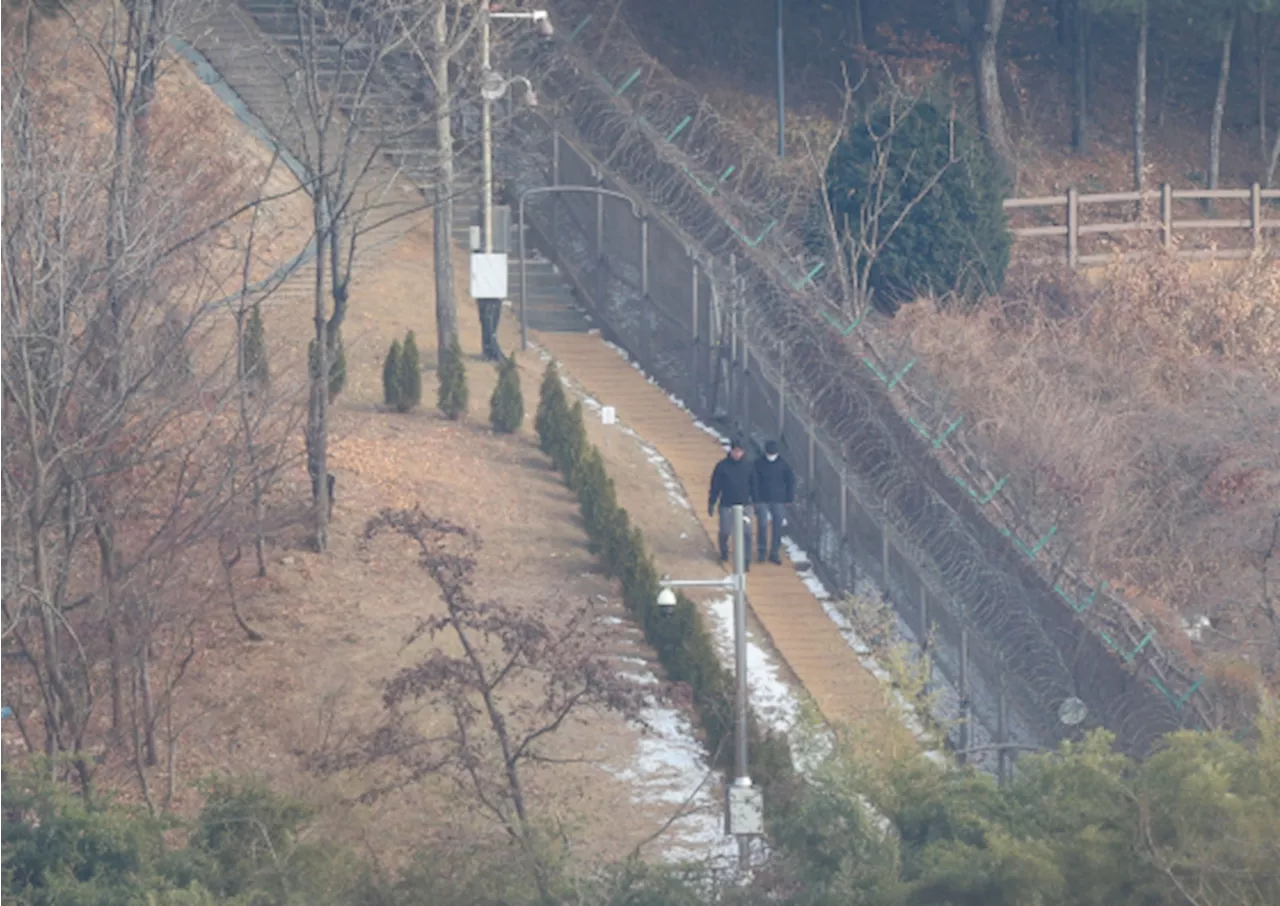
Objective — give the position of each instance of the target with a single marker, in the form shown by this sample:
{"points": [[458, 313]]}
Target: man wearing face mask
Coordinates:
{"points": [[775, 488], [732, 482]]}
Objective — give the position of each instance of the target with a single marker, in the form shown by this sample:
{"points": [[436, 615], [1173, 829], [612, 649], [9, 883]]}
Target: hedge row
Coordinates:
{"points": [[680, 638]]}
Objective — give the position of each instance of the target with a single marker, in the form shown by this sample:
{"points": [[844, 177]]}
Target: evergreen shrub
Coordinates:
{"points": [[253, 353], [452, 396], [681, 639], [391, 376], [410, 374], [337, 366], [955, 238], [506, 405]]}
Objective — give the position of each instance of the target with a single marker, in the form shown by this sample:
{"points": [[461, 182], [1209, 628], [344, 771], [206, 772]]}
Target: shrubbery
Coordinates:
{"points": [[954, 238], [391, 376], [410, 373], [681, 639], [253, 350], [402, 375], [506, 405], [337, 366], [451, 395]]}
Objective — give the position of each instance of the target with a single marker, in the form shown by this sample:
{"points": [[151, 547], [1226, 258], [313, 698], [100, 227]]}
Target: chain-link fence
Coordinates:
{"points": [[739, 349]]}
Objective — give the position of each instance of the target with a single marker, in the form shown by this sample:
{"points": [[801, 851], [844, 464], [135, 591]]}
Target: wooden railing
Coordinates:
{"points": [[1187, 237]]}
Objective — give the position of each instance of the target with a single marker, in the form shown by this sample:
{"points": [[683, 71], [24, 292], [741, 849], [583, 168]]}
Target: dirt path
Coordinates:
{"points": [[683, 539]]}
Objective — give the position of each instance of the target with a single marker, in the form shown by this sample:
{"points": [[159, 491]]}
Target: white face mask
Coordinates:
{"points": [[772, 457]]}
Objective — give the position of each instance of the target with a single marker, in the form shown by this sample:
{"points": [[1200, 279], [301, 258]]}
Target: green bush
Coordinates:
{"points": [[391, 376], [337, 366], [451, 396], [253, 350], [506, 405], [410, 374], [955, 237], [681, 639]]}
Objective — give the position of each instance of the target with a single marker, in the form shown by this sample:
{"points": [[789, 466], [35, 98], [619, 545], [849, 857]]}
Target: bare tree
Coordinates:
{"points": [[348, 114], [119, 383], [453, 24], [516, 681]]}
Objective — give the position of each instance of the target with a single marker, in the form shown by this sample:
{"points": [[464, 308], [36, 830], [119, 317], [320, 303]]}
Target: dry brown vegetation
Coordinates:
{"points": [[1140, 412]]}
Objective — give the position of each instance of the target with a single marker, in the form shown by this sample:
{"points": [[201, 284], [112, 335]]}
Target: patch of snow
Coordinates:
{"points": [[671, 769], [1195, 627]]}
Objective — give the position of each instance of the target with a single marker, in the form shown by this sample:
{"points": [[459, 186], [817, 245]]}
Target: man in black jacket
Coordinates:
{"points": [[732, 482], [775, 488]]}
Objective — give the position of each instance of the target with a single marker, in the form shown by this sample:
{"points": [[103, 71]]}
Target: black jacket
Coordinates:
{"points": [[732, 482], [775, 481]]}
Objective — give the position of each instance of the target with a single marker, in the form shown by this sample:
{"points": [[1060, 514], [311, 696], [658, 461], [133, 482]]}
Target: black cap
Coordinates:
{"points": [[737, 444], [771, 447]]}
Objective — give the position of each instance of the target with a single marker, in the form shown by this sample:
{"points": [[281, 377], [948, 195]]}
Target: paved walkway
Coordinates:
{"points": [[801, 632]]}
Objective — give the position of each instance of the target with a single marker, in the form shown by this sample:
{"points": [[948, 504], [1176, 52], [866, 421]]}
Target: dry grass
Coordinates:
{"points": [[335, 625], [1142, 414]]}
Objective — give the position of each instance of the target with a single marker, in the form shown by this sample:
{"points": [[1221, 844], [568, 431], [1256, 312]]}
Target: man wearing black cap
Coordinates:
{"points": [[732, 482], [775, 488]]}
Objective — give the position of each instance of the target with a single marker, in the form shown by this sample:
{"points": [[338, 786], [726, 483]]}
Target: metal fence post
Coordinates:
{"points": [[602, 277], [808, 430], [782, 398], [644, 256], [1002, 738], [696, 394], [924, 635], [884, 556], [555, 181], [962, 757], [1255, 216], [1073, 227], [1166, 215]]}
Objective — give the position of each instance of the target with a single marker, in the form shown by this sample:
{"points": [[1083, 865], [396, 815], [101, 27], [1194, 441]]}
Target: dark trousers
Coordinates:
{"points": [[726, 532], [772, 518], [490, 313]]}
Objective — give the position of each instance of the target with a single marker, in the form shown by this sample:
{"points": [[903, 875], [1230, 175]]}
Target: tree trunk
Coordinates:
{"points": [[146, 703], [1079, 77], [1275, 159], [859, 32], [982, 33], [1140, 101], [317, 409], [1220, 103], [446, 304]]}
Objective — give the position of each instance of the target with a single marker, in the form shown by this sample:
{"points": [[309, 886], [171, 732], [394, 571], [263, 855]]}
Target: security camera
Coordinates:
{"points": [[666, 601], [545, 27]]}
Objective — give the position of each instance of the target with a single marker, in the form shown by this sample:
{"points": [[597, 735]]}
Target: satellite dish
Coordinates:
{"points": [[1072, 711]]}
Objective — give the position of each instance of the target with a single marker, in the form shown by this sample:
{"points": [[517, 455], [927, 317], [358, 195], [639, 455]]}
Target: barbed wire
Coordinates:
{"points": [[910, 456], [619, 101]]}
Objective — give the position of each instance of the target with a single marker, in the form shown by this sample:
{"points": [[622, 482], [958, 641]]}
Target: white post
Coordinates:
{"points": [[740, 775], [486, 139]]}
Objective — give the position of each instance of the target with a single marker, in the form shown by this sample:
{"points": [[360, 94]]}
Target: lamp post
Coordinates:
{"points": [[545, 190], [782, 115], [543, 21], [745, 806], [489, 270]]}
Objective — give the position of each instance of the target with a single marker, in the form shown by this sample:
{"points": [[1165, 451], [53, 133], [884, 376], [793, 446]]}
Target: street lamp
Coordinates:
{"points": [[744, 810], [544, 190], [489, 270], [542, 20], [782, 107]]}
